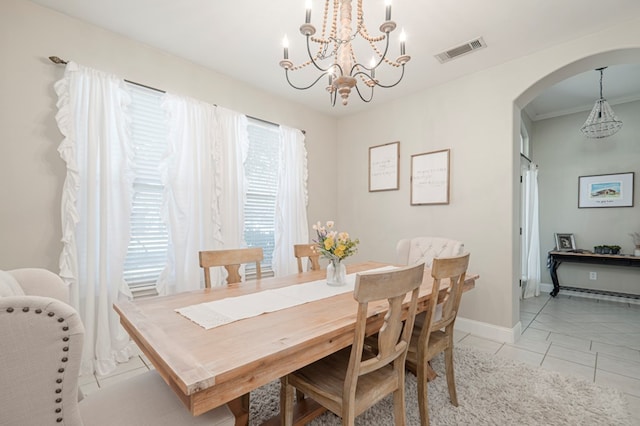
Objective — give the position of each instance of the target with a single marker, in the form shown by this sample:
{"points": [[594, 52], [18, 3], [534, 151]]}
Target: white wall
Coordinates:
{"points": [[478, 118], [31, 170], [563, 154]]}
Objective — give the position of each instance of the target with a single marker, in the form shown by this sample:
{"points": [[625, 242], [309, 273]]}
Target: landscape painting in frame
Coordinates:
{"points": [[612, 190]]}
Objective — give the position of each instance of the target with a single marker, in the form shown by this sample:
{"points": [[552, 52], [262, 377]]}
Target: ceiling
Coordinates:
{"points": [[243, 39]]}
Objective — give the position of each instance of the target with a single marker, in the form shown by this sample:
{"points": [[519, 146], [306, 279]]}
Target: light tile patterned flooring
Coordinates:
{"points": [[594, 339]]}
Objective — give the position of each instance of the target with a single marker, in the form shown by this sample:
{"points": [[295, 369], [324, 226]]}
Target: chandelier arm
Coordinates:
{"points": [[391, 85], [336, 66], [286, 72], [368, 76], [386, 49], [313, 59], [362, 97]]}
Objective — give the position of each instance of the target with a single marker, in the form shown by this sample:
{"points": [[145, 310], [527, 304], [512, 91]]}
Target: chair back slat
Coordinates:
{"points": [[394, 334], [452, 270], [231, 260], [300, 251]]}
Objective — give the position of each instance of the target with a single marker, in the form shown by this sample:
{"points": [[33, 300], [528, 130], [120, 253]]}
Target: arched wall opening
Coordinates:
{"points": [[591, 62]]}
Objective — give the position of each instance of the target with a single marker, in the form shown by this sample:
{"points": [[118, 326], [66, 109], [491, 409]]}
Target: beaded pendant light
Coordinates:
{"points": [[602, 122]]}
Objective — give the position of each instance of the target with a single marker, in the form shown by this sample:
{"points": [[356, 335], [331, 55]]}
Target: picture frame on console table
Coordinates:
{"points": [[565, 242], [611, 190]]}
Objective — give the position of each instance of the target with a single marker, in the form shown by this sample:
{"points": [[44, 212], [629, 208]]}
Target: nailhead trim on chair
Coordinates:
{"points": [[64, 359]]}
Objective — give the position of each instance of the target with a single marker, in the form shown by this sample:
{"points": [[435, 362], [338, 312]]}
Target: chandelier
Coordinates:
{"points": [[332, 52], [602, 122]]}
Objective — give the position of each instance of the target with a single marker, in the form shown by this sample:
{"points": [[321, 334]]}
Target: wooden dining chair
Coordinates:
{"points": [[300, 251], [231, 260], [436, 335], [352, 380]]}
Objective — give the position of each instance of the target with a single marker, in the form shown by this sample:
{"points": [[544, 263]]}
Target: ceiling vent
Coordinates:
{"points": [[461, 50]]}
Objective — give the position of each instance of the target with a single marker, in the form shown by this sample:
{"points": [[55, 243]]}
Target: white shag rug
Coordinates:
{"points": [[491, 391]]}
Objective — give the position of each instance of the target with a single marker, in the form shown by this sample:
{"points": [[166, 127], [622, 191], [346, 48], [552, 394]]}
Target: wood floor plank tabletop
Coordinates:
{"points": [[207, 368]]}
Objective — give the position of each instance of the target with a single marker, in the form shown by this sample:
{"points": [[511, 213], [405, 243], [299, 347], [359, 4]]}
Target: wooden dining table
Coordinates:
{"points": [[208, 368]]}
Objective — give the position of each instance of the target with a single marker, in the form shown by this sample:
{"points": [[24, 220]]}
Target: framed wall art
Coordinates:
{"points": [[613, 190], [430, 178], [384, 162], [565, 242]]}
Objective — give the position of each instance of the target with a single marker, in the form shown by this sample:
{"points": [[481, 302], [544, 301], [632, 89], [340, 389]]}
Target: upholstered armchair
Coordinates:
{"points": [[40, 354], [36, 282], [411, 251]]}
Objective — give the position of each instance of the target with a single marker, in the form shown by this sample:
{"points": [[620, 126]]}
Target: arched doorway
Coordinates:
{"points": [[614, 57]]}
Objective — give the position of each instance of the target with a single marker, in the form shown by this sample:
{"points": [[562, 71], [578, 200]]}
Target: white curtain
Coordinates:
{"points": [[291, 201], [233, 138], [531, 232], [204, 188], [96, 206], [192, 190]]}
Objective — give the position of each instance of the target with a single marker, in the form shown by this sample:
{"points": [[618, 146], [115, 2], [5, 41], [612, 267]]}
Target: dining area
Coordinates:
{"points": [[311, 353], [214, 346]]}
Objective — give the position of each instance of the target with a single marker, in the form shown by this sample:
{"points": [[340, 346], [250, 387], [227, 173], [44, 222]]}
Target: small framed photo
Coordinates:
{"points": [[613, 190], [565, 242], [384, 162]]}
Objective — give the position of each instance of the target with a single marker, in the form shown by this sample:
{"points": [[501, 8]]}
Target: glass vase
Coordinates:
{"points": [[336, 273]]}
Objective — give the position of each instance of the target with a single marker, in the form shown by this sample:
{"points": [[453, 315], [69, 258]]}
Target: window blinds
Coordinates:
{"points": [[261, 169], [147, 252]]}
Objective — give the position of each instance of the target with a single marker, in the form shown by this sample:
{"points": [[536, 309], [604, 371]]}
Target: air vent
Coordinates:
{"points": [[461, 50]]}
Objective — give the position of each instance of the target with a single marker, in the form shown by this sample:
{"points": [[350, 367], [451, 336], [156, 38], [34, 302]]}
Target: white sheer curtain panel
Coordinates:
{"points": [[96, 206], [291, 202], [232, 136], [531, 232], [192, 179]]}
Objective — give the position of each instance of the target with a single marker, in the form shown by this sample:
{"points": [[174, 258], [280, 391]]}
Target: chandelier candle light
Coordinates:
{"points": [[335, 57]]}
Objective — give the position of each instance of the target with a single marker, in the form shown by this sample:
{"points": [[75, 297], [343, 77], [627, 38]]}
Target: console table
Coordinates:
{"points": [[557, 257]]}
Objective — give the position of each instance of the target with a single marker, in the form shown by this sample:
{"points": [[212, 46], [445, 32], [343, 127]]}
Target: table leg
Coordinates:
{"points": [[554, 277], [303, 412], [240, 409]]}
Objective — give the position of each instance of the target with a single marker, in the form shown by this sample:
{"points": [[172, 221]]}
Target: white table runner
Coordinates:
{"points": [[219, 312]]}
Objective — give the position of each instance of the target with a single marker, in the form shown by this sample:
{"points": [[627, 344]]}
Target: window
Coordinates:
{"points": [[524, 140], [147, 252], [261, 169]]}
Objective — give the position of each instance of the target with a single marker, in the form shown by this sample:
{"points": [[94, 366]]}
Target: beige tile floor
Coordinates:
{"points": [[597, 340]]}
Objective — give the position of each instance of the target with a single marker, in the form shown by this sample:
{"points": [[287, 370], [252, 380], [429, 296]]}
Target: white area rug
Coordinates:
{"points": [[491, 391]]}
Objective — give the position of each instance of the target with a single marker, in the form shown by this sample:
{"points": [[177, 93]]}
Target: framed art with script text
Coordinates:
{"points": [[430, 178], [384, 162]]}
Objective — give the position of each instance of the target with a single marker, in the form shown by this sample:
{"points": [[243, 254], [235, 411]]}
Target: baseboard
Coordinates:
{"points": [[546, 288], [489, 331]]}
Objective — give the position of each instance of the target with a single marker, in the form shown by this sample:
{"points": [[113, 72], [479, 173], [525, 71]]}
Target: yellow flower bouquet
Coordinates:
{"points": [[334, 246]]}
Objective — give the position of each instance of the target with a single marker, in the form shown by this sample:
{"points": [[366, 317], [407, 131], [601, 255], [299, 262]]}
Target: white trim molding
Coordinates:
{"points": [[489, 331]]}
